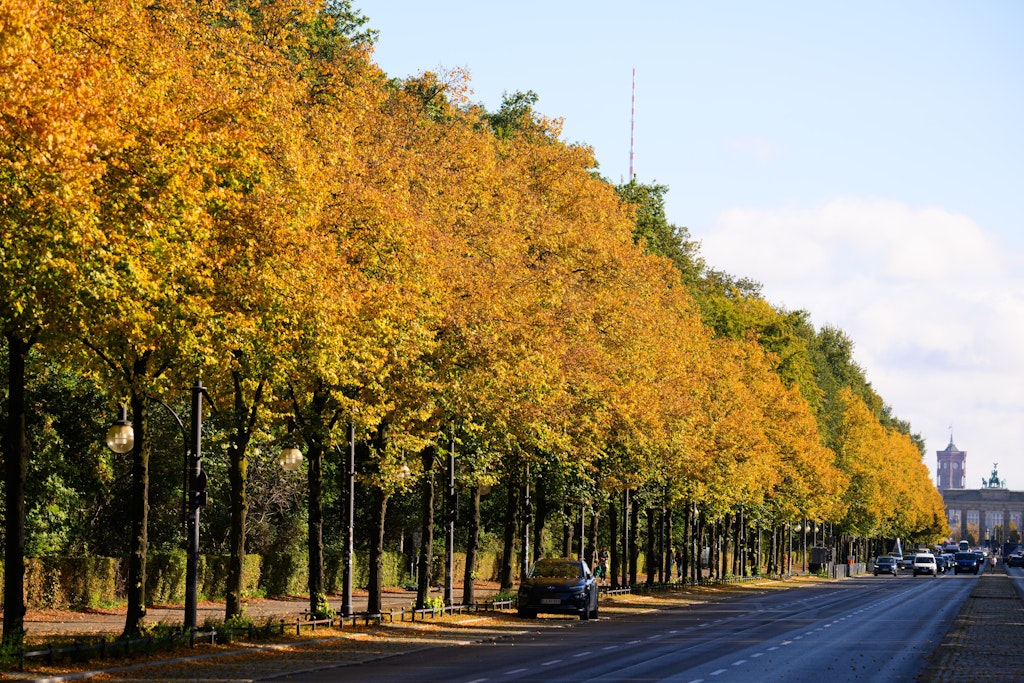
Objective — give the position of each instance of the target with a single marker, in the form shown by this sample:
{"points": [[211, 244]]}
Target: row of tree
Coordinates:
{"points": [[235, 191]]}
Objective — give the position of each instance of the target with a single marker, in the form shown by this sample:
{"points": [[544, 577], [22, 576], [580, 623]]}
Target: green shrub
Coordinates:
{"points": [[43, 585], [90, 581], [285, 574], [165, 577], [322, 609]]}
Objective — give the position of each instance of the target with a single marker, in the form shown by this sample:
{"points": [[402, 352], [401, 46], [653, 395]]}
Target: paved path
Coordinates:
{"points": [[987, 637], [50, 622]]}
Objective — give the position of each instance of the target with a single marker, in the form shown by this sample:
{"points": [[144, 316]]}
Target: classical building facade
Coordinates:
{"points": [[991, 514]]}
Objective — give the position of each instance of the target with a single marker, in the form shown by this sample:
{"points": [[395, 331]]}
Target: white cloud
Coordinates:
{"points": [[933, 303]]}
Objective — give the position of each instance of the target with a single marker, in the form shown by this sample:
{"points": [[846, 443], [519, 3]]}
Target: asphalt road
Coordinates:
{"points": [[865, 629]]}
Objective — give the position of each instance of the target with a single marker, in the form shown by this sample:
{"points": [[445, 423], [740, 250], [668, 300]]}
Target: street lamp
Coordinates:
{"points": [[121, 439], [121, 436], [290, 458]]}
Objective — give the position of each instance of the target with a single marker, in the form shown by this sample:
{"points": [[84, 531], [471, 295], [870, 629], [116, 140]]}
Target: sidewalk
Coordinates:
{"points": [[41, 623], [985, 641]]}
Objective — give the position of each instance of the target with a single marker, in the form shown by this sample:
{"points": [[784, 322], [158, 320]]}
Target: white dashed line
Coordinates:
{"points": [[581, 654], [719, 672], [740, 662], [514, 671], [552, 662]]}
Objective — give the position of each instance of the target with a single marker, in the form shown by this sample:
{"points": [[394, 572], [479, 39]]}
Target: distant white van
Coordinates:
{"points": [[965, 547]]}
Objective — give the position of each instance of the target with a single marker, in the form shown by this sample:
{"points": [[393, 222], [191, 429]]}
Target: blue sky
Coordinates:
{"points": [[863, 161]]}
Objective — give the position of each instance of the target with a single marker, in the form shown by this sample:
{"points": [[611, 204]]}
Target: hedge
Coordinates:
{"points": [[84, 582]]}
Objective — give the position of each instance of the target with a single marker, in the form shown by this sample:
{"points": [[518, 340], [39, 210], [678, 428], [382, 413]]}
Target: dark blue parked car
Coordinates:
{"points": [[559, 586]]}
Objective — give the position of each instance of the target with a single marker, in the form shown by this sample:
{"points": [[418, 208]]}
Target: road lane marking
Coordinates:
{"points": [[552, 662], [719, 672], [740, 662], [757, 654], [582, 654], [514, 671]]}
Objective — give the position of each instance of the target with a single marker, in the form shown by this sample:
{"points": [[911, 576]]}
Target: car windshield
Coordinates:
{"points": [[966, 556], [885, 560], [555, 569]]}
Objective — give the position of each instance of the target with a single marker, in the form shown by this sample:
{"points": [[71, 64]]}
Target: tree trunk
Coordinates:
{"points": [[525, 518], [652, 554], [568, 527], [613, 531], [315, 532], [427, 520], [509, 540], [697, 532], [540, 519], [670, 545], [472, 545], [15, 454], [375, 587], [238, 476], [592, 529], [135, 618], [634, 547]]}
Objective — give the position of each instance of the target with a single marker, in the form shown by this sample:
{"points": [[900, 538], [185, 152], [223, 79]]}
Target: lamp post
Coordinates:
{"points": [[196, 500], [350, 514], [121, 439], [451, 512]]}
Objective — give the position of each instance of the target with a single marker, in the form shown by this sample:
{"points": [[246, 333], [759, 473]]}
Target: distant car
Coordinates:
{"points": [[559, 586], [907, 562], [924, 563], [967, 563], [1015, 559], [940, 564], [886, 564]]}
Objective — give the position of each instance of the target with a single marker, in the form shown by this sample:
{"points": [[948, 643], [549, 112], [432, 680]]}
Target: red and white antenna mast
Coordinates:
{"points": [[632, 118]]}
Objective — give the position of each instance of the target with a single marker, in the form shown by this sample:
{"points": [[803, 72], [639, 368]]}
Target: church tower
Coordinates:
{"points": [[951, 467]]}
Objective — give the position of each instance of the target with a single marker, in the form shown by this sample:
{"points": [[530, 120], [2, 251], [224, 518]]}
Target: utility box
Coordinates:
{"points": [[821, 558]]}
